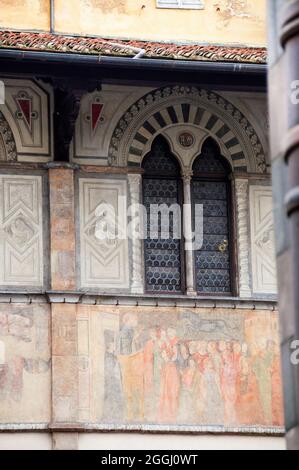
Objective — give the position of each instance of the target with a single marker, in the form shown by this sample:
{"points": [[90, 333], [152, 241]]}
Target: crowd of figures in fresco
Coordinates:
{"points": [[155, 375]]}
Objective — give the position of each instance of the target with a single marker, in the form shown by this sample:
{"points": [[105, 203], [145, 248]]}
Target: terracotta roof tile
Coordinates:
{"points": [[100, 46]]}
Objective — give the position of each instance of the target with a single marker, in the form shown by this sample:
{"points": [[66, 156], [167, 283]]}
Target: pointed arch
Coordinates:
{"points": [[205, 110], [211, 160], [160, 159]]}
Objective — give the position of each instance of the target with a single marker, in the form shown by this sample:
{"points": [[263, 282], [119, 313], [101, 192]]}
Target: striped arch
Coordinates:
{"points": [[8, 150], [169, 106], [186, 113]]}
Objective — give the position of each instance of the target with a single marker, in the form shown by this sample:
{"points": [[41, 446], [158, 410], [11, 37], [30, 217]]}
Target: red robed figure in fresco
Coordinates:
{"points": [[170, 379]]}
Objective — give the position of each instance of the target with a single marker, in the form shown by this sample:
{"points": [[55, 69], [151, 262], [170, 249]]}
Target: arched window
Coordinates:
{"points": [[211, 188], [162, 185]]}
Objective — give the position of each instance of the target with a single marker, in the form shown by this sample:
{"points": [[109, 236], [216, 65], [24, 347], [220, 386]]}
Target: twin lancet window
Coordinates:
{"points": [[210, 187]]}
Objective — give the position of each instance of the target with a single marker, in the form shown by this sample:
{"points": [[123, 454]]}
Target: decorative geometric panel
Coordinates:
{"points": [[212, 262], [262, 241], [21, 242], [103, 260], [27, 112], [94, 116]]}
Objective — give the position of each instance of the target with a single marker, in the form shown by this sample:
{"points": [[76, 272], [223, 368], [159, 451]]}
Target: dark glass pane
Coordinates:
{"points": [[210, 160], [160, 160], [162, 256], [212, 262]]}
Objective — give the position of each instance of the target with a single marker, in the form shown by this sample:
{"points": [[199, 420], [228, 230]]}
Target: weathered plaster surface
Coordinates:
{"points": [[222, 21], [25, 363], [25, 14], [167, 368]]}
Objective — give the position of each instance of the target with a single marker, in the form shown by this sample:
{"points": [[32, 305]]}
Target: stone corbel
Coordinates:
{"points": [[68, 95]]}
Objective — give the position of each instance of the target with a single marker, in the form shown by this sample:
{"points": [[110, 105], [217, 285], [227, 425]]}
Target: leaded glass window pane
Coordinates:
{"points": [[161, 185], [210, 188]]}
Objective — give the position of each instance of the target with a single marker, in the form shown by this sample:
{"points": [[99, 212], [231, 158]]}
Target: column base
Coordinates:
{"points": [[137, 290], [245, 294], [191, 293]]}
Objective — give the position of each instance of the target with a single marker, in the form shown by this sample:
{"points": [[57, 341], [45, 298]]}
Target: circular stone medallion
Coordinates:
{"points": [[186, 139]]}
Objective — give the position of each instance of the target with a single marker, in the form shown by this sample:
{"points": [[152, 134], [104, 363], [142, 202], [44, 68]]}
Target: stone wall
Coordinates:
{"points": [[82, 348]]}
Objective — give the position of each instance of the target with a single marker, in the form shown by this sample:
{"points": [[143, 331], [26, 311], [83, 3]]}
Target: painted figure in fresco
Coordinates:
{"points": [[249, 407], [131, 359], [170, 379], [244, 398], [127, 336], [201, 358], [213, 382], [189, 378], [215, 356], [187, 370], [276, 383], [152, 372], [228, 380], [262, 362], [19, 327], [113, 396], [213, 413], [160, 376]]}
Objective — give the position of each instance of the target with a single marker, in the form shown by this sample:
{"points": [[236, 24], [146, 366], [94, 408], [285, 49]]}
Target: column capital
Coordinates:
{"points": [[241, 184], [187, 174], [134, 178]]}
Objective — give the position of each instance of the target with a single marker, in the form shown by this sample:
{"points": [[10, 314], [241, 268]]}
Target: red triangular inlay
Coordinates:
{"points": [[25, 107], [96, 111]]}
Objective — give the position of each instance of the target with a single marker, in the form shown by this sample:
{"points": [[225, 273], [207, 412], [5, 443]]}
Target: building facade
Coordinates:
{"points": [[103, 330]]}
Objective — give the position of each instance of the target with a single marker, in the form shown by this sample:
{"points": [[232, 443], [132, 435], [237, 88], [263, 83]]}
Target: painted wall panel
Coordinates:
{"points": [[179, 369], [25, 364]]}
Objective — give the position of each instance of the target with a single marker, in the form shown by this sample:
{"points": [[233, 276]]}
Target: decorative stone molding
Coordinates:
{"points": [[104, 257], [187, 175], [28, 112], [190, 105], [262, 241], [243, 243], [21, 228], [8, 151], [187, 217], [166, 301], [137, 252]]}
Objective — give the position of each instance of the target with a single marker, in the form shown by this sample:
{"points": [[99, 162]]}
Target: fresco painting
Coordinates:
{"points": [[191, 367], [25, 363]]}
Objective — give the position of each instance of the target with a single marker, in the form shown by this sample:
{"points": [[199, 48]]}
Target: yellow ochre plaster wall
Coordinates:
{"points": [[220, 21]]}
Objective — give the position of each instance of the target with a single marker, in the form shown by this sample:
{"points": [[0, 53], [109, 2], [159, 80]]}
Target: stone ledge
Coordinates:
{"points": [[145, 428], [138, 300]]}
